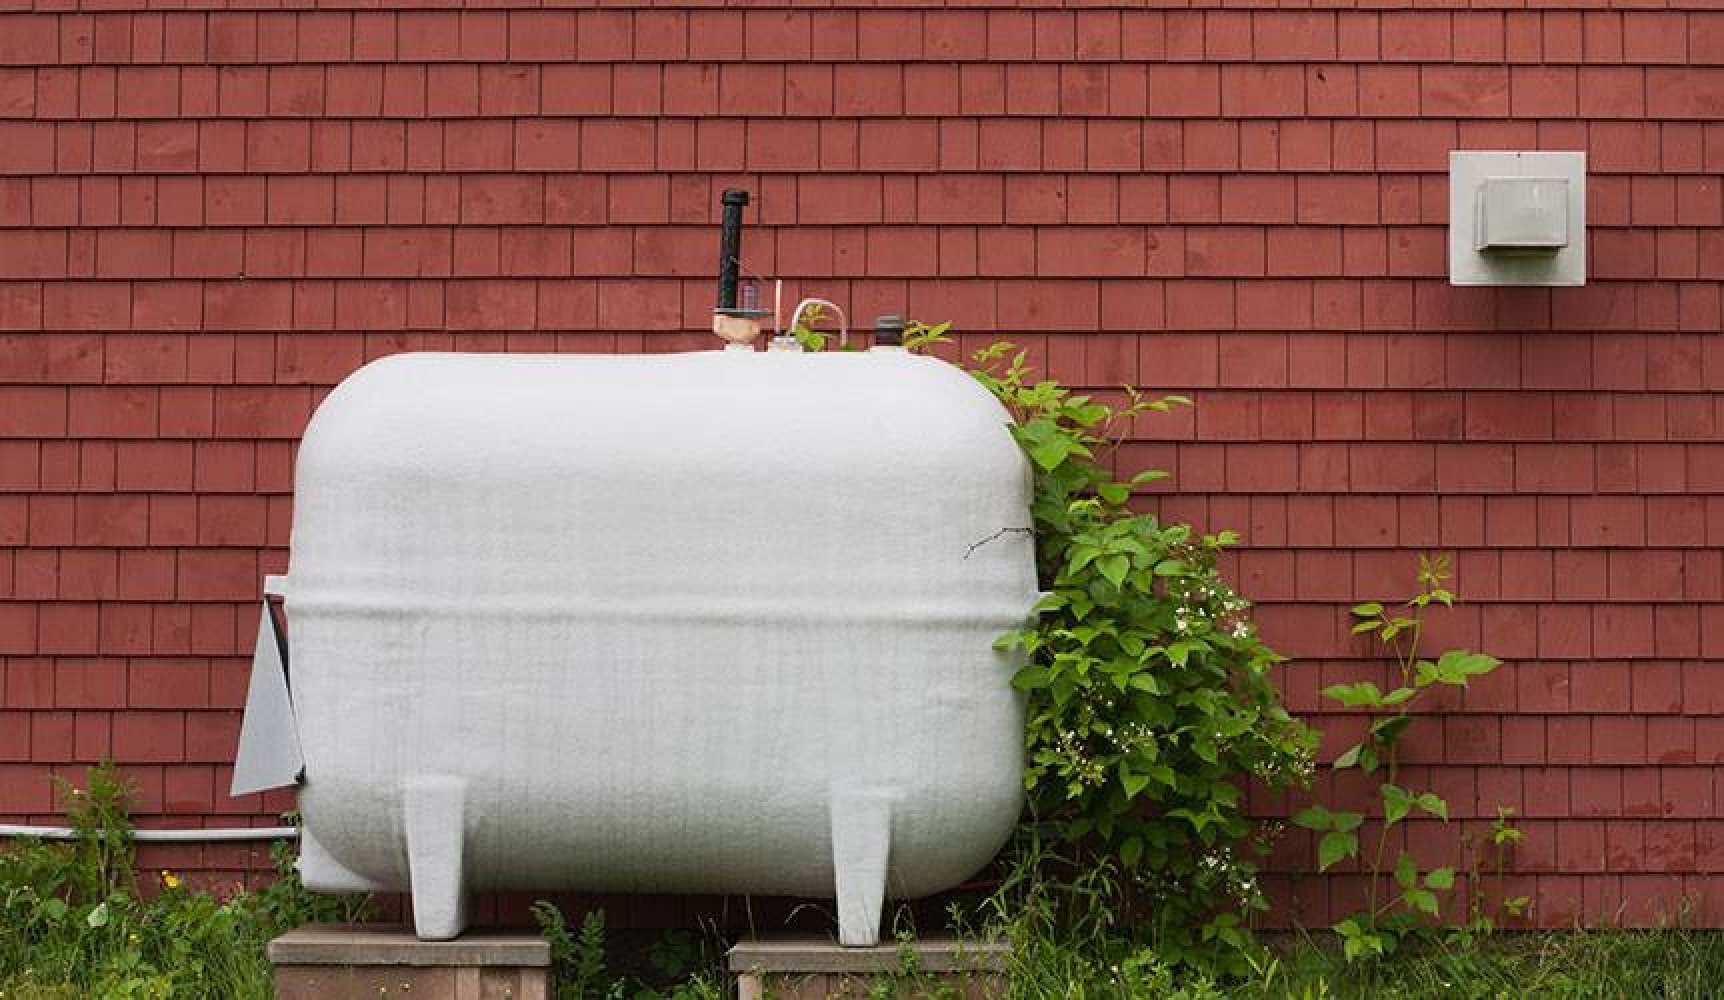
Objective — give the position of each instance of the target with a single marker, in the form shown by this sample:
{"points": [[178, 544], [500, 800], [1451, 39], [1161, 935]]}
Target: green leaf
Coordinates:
{"points": [[1031, 678], [97, 917], [1397, 803], [1314, 818], [1087, 415], [1047, 443], [1049, 454], [1387, 731], [1399, 696], [1441, 878], [1335, 846], [1114, 568], [1131, 852], [1460, 662], [1349, 757], [1356, 941], [1347, 822], [1406, 873], [1133, 784], [1354, 695], [53, 908], [1053, 600], [1434, 804], [1356, 948], [1456, 668], [1422, 900], [1367, 610]]}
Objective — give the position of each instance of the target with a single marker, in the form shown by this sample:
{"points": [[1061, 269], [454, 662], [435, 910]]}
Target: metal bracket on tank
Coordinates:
{"points": [[269, 754]]}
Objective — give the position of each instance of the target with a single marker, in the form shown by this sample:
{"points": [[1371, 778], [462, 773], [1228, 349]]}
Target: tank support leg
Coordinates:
{"points": [[434, 806], [861, 843]]}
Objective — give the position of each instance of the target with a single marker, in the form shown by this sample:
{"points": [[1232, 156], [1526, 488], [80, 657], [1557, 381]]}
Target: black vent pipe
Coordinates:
{"points": [[730, 249]]}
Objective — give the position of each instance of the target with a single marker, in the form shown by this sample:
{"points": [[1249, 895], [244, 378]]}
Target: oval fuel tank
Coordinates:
{"points": [[713, 622]]}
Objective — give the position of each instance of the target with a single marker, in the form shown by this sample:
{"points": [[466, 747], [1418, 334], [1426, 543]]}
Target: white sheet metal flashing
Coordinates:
{"points": [[268, 755], [718, 622]]}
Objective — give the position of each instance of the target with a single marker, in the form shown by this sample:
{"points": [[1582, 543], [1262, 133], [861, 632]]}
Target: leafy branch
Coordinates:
{"points": [[1150, 704], [1393, 906], [1148, 687]]}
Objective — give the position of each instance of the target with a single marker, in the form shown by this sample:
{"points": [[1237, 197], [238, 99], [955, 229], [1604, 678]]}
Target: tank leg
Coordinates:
{"points": [[434, 805], [861, 843]]}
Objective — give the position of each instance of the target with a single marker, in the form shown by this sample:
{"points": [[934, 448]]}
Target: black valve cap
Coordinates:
{"points": [[889, 331]]}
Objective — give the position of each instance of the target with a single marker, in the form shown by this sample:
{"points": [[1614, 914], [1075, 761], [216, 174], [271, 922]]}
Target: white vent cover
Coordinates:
{"points": [[1517, 218], [1527, 215]]}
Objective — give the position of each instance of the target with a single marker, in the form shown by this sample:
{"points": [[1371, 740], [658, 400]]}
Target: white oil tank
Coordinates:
{"points": [[717, 622]]}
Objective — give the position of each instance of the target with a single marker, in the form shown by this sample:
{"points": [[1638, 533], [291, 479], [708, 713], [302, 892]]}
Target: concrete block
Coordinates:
{"points": [[808, 968], [368, 962]]}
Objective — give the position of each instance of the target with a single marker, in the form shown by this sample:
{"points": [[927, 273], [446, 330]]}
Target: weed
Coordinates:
{"points": [[579, 961], [1395, 910], [76, 924]]}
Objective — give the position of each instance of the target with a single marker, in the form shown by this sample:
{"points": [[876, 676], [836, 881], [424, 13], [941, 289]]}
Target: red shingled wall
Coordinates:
{"points": [[209, 216]]}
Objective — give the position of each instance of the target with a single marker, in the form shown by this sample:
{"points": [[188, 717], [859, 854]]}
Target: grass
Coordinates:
{"points": [[1580, 964], [1605, 964], [1672, 964], [74, 924], [1069, 942]]}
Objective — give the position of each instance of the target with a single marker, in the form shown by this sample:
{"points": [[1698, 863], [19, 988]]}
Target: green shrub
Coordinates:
{"points": [[1150, 700], [1150, 705]]}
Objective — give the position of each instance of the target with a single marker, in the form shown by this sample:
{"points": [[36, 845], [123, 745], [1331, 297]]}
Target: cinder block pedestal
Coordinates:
{"points": [[809, 968], [371, 962]]}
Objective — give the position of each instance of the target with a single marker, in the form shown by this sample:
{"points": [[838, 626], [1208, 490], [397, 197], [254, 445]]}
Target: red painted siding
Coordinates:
{"points": [[208, 216]]}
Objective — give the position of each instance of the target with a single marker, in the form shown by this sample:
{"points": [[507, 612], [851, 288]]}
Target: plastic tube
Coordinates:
{"points": [[210, 835]]}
